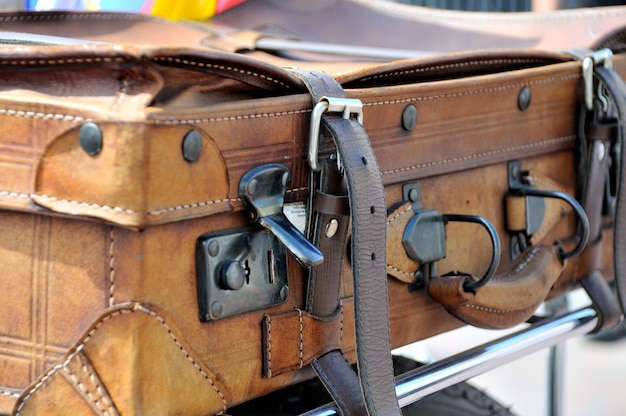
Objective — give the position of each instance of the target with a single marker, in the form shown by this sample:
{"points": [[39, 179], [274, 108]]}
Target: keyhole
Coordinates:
{"points": [[246, 269]]}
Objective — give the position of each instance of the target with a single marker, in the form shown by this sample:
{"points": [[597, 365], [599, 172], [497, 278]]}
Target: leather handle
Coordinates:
{"points": [[509, 298]]}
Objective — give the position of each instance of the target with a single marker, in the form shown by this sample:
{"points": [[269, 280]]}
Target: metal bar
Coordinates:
{"points": [[421, 382]]}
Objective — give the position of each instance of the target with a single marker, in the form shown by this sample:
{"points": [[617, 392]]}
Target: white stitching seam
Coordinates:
{"points": [[135, 307]]}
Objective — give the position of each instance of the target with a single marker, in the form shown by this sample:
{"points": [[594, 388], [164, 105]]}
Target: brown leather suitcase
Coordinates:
{"points": [[157, 193]]}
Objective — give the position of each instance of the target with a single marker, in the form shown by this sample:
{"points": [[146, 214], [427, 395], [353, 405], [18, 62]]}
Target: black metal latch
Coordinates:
{"points": [[424, 240], [245, 269]]}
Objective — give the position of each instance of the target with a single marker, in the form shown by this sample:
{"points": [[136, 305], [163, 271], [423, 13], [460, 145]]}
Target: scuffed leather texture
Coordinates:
{"points": [[104, 373], [507, 299], [63, 266], [314, 337]]}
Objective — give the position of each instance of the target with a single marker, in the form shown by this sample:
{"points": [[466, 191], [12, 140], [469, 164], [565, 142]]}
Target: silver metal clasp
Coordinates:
{"points": [[346, 106], [601, 57]]}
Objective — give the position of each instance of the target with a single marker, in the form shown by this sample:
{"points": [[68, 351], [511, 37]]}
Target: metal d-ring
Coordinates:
{"points": [[472, 286], [580, 212]]}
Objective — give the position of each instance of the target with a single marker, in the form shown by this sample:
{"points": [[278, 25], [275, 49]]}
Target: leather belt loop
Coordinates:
{"points": [[357, 166]]}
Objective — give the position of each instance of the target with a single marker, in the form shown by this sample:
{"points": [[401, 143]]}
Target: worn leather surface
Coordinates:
{"points": [[507, 299], [316, 337], [62, 272], [99, 372]]}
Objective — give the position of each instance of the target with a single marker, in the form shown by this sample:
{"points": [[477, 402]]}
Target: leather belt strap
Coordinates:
{"points": [[360, 171], [616, 90]]}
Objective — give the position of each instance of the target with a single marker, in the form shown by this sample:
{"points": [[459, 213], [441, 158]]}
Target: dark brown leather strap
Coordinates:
{"points": [[616, 91], [368, 218]]}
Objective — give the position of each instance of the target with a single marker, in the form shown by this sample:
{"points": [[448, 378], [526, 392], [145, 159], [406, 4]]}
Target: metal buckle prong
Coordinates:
{"points": [[346, 106], [601, 57]]}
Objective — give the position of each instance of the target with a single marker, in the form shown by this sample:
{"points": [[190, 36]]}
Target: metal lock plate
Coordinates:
{"points": [[239, 271]]}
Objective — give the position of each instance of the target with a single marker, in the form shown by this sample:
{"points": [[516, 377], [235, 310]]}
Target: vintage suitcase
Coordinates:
{"points": [[186, 229]]}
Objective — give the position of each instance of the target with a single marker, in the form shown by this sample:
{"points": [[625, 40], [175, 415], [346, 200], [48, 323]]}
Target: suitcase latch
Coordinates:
{"points": [[239, 271]]}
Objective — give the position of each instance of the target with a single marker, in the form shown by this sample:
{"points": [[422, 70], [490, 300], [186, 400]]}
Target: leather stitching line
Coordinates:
{"points": [[9, 393], [268, 344], [63, 61], [394, 268], [301, 336], [47, 116], [95, 399], [458, 65], [480, 155], [228, 118], [188, 62], [111, 266], [341, 323], [520, 267], [130, 211], [478, 91], [135, 308], [396, 217]]}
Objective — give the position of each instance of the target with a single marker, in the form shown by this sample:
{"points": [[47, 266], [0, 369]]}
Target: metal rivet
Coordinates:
{"points": [[409, 117], [192, 146], [414, 195], [331, 228], [90, 138], [284, 293], [214, 248], [216, 309], [523, 98]]}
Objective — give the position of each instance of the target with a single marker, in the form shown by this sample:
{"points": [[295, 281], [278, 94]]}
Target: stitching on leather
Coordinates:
{"points": [[480, 155], [176, 121], [400, 214], [134, 307], [268, 345], [87, 204], [111, 266], [521, 266], [192, 63], [61, 61], [9, 393], [341, 322], [490, 310], [396, 269], [457, 65], [478, 91], [95, 399], [190, 206], [301, 336], [34, 114]]}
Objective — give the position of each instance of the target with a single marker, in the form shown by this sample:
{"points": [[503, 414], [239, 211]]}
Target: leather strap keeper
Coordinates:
{"points": [[317, 336]]}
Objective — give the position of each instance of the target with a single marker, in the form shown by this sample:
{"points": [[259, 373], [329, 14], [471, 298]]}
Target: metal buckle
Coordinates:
{"points": [[601, 57], [346, 106]]}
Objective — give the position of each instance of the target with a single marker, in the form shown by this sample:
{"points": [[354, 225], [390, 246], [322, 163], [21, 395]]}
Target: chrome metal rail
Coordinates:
{"points": [[428, 379]]}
